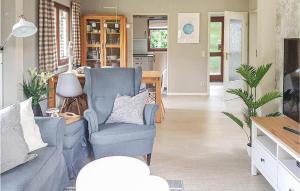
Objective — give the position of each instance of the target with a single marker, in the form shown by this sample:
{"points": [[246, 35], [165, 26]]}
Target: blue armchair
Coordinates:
{"points": [[102, 87]]}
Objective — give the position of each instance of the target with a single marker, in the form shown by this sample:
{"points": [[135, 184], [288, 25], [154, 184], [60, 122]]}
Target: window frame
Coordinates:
{"points": [[57, 6], [149, 37]]}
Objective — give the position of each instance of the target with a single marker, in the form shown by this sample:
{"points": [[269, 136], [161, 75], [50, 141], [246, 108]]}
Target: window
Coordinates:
{"points": [[157, 34], [62, 19]]}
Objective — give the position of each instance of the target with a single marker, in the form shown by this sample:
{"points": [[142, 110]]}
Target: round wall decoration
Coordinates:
{"points": [[188, 28]]}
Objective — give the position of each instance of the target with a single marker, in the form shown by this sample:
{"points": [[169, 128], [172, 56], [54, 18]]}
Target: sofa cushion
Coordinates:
{"points": [[34, 173], [121, 132], [14, 150], [30, 129], [128, 109]]}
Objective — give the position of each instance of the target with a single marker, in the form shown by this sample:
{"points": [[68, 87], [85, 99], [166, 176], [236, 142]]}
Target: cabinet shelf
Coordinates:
{"points": [[112, 46], [268, 144], [113, 33], [93, 45], [93, 32], [290, 164]]}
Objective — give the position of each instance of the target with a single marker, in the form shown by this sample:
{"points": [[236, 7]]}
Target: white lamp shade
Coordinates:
{"points": [[68, 85], [23, 28]]}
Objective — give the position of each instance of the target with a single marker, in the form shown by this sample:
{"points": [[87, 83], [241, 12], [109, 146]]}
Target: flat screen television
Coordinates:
{"points": [[291, 78]]}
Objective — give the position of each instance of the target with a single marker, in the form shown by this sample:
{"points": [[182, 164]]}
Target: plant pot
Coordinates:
{"points": [[37, 111], [249, 149]]}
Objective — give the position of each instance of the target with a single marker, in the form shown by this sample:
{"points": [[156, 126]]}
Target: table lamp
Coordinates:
{"points": [[68, 85]]}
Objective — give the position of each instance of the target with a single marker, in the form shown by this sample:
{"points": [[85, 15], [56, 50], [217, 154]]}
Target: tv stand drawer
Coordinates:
{"points": [[265, 163]]}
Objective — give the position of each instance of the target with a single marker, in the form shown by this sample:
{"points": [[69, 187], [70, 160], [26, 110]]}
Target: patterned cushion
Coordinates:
{"points": [[128, 109]]}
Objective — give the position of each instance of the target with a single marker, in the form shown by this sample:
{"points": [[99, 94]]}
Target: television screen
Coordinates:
{"points": [[291, 78]]}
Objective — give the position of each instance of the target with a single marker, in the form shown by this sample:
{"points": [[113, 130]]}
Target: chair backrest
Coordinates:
{"points": [[102, 85]]}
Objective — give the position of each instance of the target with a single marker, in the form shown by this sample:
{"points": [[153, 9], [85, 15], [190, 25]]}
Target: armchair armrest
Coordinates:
{"points": [[150, 113], [52, 130], [91, 116]]}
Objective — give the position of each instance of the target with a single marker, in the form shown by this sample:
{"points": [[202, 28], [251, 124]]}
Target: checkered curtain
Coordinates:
{"points": [[76, 31], [47, 39]]}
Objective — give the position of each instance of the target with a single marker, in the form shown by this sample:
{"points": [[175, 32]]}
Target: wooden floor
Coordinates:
{"points": [[196, 143]]}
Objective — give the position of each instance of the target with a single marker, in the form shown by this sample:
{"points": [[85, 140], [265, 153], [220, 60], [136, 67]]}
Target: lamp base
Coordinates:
{"points": [[68, 101]]}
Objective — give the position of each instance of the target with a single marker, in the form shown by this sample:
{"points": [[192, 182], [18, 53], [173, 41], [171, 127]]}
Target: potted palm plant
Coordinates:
{"points": [[36, 87], [252, 77]]}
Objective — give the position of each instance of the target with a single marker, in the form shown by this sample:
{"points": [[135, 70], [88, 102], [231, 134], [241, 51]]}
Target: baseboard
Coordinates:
{"points": [[187, 94]]}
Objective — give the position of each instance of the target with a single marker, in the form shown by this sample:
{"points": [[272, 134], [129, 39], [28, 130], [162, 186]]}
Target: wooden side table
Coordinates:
{"points": [[69, 118]]}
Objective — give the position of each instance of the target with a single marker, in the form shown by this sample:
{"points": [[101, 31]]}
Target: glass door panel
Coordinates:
{"points": [[112, 32], [216, 30], [235, 48], [93, 56], [93, 42], [113, 57], [215, 65], [112, 42]]}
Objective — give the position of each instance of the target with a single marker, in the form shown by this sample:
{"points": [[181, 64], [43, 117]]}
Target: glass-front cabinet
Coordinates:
{"points": [[104, 41]]}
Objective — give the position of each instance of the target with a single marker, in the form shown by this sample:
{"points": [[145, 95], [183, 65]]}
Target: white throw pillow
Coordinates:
{"points": [[129, 109], [31, 131]]}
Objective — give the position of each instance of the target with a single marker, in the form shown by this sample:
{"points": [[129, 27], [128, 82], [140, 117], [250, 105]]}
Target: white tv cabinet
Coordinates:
{"points": [[275, 152]]}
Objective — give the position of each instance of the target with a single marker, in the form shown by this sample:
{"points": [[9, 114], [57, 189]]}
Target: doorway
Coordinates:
{"points": [[228, 49], [150, 44], [216, 48]]}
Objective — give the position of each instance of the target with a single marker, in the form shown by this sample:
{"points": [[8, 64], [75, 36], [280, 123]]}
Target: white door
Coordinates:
{"points": [[235, 49]]}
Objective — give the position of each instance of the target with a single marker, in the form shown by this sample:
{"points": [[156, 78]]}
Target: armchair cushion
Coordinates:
{"points": [[128, 109], [149, 114], [122, 132]]}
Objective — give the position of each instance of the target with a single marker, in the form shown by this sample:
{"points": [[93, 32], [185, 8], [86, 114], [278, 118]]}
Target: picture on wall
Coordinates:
{"points": [[188, 27]]}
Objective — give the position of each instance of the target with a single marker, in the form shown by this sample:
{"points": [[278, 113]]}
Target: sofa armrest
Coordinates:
{"points": [[150, 113], [91, 117], [52, 130]]}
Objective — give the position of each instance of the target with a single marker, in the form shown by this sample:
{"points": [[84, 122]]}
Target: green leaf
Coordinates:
{"points": [[260, 73], [275, 114], [248, 74], [244, 95], [267, 98], [235, 119]]}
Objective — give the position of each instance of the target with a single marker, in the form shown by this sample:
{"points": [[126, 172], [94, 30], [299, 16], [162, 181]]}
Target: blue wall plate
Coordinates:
{"points": [[188, 28]]}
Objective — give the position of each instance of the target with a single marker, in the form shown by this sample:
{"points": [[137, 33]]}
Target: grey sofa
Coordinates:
{"points": [[47, 172], [102, 87], [76, 150]]}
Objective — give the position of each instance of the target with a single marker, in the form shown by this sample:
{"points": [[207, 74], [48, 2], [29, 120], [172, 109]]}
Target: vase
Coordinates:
{"points": [[37, 111]]}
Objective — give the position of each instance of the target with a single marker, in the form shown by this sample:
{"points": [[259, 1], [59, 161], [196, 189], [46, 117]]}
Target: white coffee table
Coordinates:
{"points": [[118, 173]]}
